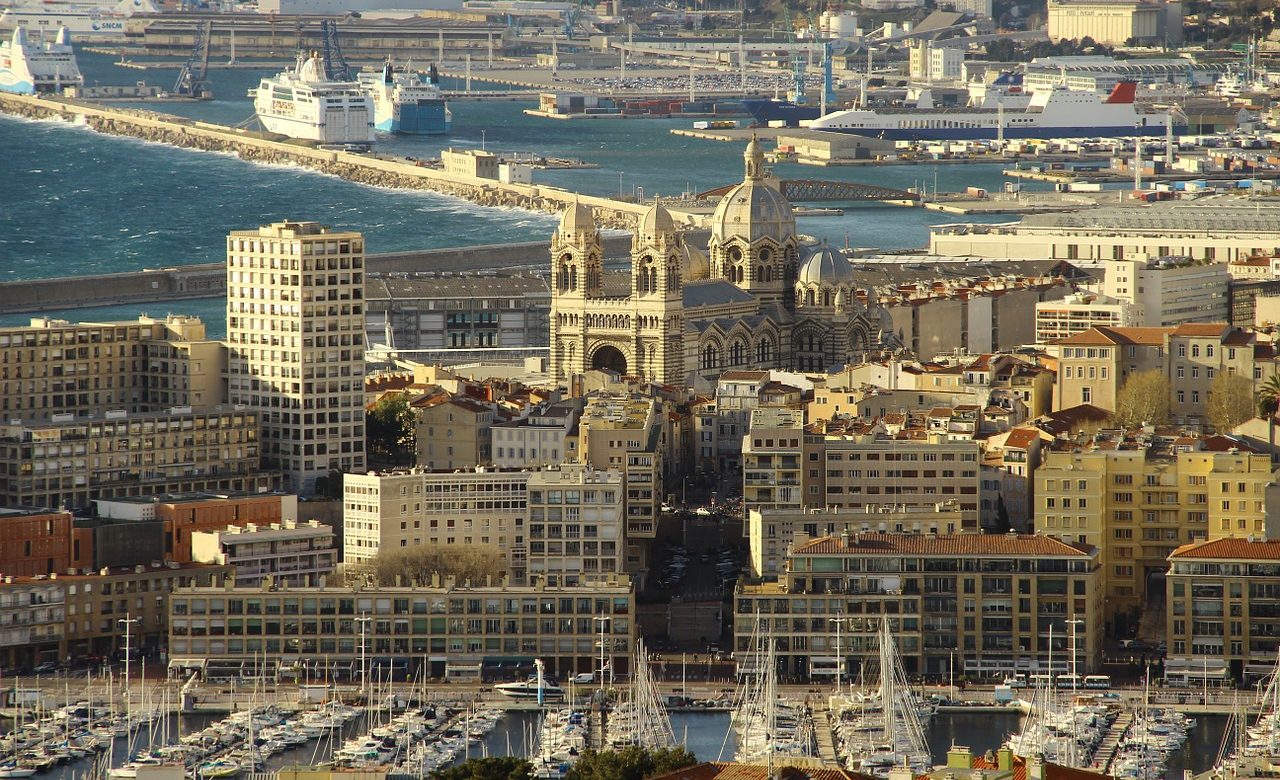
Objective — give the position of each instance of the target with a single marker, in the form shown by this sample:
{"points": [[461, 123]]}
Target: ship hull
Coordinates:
{"points": [[15, 84], [427, 117], [991, 133], [765, 111]]}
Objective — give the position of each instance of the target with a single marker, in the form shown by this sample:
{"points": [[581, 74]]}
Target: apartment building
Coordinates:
{"points": [[34, 541], [577, 525], [774, 533], [70, 462], [628, 433], [182, 515], [547, 436], [1223, 617], [1137, 498], [32, 618], [1094, 365], [1162, 292], [773, 458], [52, 368], [295, 337], [447, 630], [399, 509], [452, 432], [1077, 313], [1217, 232], [98, 604], [290, 554], [976, 604]]}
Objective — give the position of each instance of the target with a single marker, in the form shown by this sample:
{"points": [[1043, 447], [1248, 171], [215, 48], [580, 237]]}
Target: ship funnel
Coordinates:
{"points": [[64, 37], [386, 72], [19, 37], [433, 76]]}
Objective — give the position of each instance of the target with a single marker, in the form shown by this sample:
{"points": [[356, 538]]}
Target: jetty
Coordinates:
{"points": [[374, 169]]}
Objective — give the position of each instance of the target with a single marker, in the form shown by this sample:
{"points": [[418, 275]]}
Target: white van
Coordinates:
{"points": [[584, 678]]}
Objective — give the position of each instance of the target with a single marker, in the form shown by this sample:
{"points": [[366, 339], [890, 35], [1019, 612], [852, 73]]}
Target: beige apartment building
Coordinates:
{"points": [[1223, 614], [774, 533], [628, 434], [577, 525], [401, 509], [52, 368], [1138, 499], [1075, 314], [295, 336], [74, 461], [983, 605], [452, 432], [32, 620], [1094, 365], [290, 554], [447, 630], [773, 457]]}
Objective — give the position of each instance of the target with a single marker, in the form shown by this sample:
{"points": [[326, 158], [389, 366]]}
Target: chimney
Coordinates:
{"points": [[1004, 759], [959, 757]]}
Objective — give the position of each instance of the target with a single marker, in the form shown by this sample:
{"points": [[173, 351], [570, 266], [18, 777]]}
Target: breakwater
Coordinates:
{"points": [[370, 169]]}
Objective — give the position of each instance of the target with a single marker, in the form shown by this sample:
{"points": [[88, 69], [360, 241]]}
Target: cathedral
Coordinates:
{"points": [[757, 298]]}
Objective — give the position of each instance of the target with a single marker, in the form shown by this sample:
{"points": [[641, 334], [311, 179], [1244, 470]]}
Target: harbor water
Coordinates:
{"points": [[702, 732], [74, 202]]}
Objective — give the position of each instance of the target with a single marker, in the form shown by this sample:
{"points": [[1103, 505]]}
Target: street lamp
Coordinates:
{"points": [[839, 621], [602, 619], [363, 620]]}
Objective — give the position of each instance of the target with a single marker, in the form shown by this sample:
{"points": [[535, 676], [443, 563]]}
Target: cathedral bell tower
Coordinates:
{"points": [[576, 277]]}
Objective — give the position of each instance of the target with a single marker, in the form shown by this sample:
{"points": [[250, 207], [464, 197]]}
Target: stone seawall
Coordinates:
{"points": [[371, 169]]}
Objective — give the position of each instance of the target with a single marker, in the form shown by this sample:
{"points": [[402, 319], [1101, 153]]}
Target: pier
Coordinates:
{"points": [[1110, 744]]}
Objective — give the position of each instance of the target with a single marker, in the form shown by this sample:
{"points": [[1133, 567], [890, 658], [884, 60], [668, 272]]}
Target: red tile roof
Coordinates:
{"points": [[1102, 336], [1234, 549], [1201, 329], [1021, 437], [874, 543], [718, 770]]}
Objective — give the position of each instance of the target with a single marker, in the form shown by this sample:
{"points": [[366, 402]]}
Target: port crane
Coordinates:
{"points": [[335, 64], [194, 76]]}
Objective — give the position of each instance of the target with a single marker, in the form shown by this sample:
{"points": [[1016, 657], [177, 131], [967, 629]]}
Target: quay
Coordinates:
{"points": [[209, 280], [371, 169]]}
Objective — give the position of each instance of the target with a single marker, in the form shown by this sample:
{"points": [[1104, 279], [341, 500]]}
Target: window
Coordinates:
{"points": [[1086, 395]]}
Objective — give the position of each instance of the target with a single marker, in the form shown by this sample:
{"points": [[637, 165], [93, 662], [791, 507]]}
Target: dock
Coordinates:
{"points": [[824, 734], [1110, 745]]}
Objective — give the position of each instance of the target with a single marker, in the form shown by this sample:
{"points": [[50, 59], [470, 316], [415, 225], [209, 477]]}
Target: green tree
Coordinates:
{"points": [[389, 430], [415, 565], [632, 763], [1268, 400], [503, 768], [1144, 400], [1230, 401]]}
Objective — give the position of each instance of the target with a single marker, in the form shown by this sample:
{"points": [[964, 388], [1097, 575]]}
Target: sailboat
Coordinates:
{"points": [[767, 726], [643, 720], [11, 768], [884, 730]]}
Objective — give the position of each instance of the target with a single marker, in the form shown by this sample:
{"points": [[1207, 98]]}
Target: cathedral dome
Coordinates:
{"points": [[656, 222], [696, 265], [825, 266], [577, 219], [754, 209]]}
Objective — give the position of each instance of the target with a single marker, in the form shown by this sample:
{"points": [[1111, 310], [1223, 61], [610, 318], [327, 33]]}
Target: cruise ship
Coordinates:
{"points": [[404, 103], [305, 103], [28, 67], [1054, 113], [87, 21]]}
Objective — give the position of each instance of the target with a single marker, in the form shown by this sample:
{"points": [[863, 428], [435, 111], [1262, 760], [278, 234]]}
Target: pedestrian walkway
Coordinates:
{"points": [[823, 734], [1106, 752]]}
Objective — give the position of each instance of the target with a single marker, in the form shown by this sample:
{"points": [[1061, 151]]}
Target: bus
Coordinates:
{"points": [[1068, 681], [1098, 682], [1038, 680]]}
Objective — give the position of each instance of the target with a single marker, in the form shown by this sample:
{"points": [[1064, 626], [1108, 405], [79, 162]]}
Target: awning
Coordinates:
{"points": [[188, 663]]}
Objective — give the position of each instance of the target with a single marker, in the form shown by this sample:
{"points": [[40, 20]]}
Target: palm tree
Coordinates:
{"points": [[1268, 399]]}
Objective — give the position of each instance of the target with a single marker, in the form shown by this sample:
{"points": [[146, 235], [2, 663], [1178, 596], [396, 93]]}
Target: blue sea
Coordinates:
{"points": [[74, 202]]}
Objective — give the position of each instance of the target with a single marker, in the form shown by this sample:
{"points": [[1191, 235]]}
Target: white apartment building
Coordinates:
{"points": [[1168, 291], [295, 336], [577, 530], [1076, 314], [291, 553], [412, 508], [546, 437]]}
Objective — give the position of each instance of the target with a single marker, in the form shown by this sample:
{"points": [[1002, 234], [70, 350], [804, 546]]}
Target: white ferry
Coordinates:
{"points": [[28, 67], [305, 103], [1052, 113], [87, 21], [404, 103]]}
